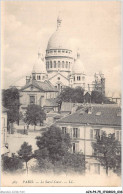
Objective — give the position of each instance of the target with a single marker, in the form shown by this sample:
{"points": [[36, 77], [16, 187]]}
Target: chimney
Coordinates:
{"points": [[89, 110]]}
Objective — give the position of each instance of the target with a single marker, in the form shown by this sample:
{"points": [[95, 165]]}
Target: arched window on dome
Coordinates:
{"points": [[62, 64], [54, 64], [48, 65], [74, 78], [39, 77], [78, 78], [58, 64]]}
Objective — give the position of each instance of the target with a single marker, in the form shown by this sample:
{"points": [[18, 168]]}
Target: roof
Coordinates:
{"points": [[101, 115], [46, 86], [67, 106]]}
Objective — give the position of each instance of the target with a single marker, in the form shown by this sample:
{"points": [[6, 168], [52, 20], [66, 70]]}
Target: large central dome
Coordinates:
{"points": [[59, 39]]}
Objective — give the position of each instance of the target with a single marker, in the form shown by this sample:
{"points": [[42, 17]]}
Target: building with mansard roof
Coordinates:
{"points": [[86, 125]]}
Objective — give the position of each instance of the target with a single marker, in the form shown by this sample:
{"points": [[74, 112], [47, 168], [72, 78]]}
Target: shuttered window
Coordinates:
{"points": [[75, 147], [32, 99], [76, 132], [64, 130]]}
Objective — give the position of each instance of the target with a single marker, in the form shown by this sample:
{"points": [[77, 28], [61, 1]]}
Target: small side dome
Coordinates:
{"points": [[39, 66], [78, 66]]}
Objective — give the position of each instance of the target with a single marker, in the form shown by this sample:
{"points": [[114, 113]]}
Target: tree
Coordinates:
{"points": [[98, 97], [55, 143], [71, 95], [108, 151], [54, 152], [11, 163], [34, 115], [25, 153], [10, 100]]}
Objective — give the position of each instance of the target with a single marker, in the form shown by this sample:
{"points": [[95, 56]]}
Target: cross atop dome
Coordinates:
{"points": [[59, 20]]}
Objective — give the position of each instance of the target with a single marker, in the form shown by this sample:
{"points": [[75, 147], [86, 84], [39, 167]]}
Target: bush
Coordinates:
{"points": [[11, 163]]}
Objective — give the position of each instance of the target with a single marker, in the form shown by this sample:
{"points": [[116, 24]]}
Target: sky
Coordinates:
{"points": [[94, 27]]}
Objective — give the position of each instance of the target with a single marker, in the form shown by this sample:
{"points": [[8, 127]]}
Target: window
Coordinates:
{"points": [[32, 99], [54, 64], [63, 51], [75, 132], [59, 51], [62, 64], [66, 64], [97, 133], [39, 77], [74, 78], [59, 87], [58, 64], [58, 78], [78, 78], [75, 147], [64, 130], [50, 64], [91, 133]]}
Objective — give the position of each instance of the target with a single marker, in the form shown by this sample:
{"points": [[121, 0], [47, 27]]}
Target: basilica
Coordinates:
{"points": [[61, 68], [57, 70]]}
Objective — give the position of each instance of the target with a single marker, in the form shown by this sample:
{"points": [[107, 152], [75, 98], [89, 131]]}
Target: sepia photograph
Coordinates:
{"points": [[61, 93]]}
